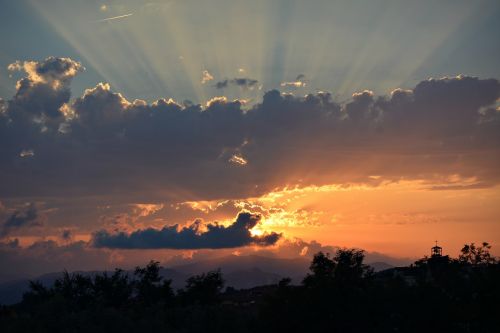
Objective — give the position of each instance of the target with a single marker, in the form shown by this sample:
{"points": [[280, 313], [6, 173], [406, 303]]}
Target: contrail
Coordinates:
{"points": [[114, 18]]}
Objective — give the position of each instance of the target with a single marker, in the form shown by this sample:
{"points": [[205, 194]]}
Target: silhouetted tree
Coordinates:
{"points": [[150, 286], [75, 288], [322, 270], [346, 267], [204, 288], [476, 255], [114, 290], [37, 293], [349, 268], [340, 294]]}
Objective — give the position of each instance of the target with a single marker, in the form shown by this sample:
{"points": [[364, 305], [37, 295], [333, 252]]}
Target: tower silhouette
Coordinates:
{"points": [[436, 251]]}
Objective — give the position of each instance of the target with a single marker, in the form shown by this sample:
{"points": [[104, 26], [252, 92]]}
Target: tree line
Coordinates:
{"points": [[339, 294]]}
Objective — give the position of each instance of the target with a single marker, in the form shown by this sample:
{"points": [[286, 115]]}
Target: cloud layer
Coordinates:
{"points": [[195, 236], [444, 131]]}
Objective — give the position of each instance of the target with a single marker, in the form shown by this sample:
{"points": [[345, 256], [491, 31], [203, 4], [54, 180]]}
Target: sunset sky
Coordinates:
{"points": [[133, 130]]}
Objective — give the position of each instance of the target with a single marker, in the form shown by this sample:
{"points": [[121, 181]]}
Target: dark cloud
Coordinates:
{"points": [[195, 236], [66, 235], [443, 131], [222, 84], [21, 219], [245, 83], [44, 89]]}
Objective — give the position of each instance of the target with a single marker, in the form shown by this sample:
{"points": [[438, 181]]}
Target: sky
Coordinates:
{"points": [[133, 129]]}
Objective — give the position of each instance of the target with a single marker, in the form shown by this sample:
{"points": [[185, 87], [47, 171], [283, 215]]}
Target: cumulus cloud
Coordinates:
{"points": [[195, 236], [28, 217], [104, 144], [245, 83], [45, 88]]}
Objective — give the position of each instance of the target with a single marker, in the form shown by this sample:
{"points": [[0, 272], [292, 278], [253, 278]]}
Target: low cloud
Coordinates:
{"points": [[195, 236], [67, 235], [28, 217], [48, 256]]}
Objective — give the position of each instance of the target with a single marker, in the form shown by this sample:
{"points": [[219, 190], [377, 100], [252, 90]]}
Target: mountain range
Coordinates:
{"points": [[240, 272]]}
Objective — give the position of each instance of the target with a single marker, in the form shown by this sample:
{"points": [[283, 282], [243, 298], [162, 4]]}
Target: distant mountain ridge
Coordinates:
{"points": [[240, 272]]}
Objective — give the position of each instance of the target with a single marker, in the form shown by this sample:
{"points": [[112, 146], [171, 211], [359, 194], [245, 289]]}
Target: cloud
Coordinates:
{"points": [[299, 82], [55, 71], [44, 89], [48, 256], [245, 83], [238, 160], [103, 144], [195, 236], [27, 153], [206, 77], [3, 107], [67, 235], [222, 84], [21, 219]]}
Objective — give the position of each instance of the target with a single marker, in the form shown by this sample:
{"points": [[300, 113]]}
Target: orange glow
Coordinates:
{"points": [[400, 219]]}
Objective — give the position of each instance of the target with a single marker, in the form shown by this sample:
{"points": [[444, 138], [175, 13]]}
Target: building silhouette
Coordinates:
{"points": [[436, 251]]}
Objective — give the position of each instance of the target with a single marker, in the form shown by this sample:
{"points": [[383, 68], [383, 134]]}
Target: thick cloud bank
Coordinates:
{"points": [[444, 131], [191, 237]]}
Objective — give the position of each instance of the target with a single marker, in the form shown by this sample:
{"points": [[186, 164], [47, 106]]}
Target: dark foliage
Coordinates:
{"points": [[340, 294], [203, 289]]}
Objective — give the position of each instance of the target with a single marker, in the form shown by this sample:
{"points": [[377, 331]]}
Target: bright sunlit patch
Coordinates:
{"points": [[216, 100], [27, 153], [143, 210], [67, 111], [203, 205], [238, 160], [206, 77], [295, 84], [257, 231]]}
